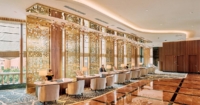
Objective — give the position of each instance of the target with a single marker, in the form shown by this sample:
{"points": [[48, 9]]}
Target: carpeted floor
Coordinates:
{"points": [[19, 97]]}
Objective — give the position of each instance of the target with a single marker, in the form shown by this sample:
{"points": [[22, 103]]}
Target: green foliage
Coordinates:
{"points": [[10, 78], [10, 70]]}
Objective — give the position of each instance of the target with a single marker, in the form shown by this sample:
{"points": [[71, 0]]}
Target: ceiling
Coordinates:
{"points": [[166, 20]]}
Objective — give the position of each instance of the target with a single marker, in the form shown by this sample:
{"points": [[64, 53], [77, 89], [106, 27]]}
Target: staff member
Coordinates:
{"points": [[102, 69], [50, 75]]}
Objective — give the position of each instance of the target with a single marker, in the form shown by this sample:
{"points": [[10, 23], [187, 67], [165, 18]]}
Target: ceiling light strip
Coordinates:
{"points": [[105, 11]]}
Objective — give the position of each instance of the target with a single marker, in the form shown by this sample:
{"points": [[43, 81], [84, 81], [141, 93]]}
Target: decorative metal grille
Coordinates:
{"points": [[129, 51], [95, 26], [93, 53], [120, 34], [110, 31], [120, 53], [39, 8], [38, 48], [72, 39], [110, 51], [72, 18]]}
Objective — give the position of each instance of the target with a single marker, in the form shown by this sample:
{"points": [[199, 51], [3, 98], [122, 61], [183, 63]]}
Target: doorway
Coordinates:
{"points": [[180, 63], [192, 63]]}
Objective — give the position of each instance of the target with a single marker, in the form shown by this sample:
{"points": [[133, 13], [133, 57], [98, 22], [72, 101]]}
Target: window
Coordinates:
{"points": [[141, 54]]}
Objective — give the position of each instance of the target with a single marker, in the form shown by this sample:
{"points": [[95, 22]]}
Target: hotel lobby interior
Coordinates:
{"points": [[99, 52]]}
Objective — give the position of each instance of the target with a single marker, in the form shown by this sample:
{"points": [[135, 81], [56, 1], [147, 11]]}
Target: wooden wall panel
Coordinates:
{"points": [[198, 51], [191, 49], [56, 51], [56, 47], [161, 58], [180, 56], [169, 50], [181, 48], [56, 14], [169, 61], [175, 47]]}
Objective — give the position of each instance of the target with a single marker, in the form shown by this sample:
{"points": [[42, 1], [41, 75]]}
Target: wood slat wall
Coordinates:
{"points": [[161, 55], [180, 56], [56, 47]]}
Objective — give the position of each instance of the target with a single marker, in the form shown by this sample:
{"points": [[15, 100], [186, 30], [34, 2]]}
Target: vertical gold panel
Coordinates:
{"points": [[133, 54], [120, 53], [38, 54], [93, 53], [146, 56], [72, 39], [129, 51], [110, 51], [38, 8]]}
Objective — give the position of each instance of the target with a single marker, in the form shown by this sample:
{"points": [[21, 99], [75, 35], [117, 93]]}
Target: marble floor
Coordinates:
{"points": [[154, 89], [185, 91]]}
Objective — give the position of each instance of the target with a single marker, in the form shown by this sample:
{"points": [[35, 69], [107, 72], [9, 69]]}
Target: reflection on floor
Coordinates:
{"points": [[184, 91], [153, 89]]}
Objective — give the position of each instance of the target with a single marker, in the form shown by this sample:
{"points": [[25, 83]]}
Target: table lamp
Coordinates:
{"points": [[122, 66], [108, 67], [42, 74], [133, 65], [84, 69]]}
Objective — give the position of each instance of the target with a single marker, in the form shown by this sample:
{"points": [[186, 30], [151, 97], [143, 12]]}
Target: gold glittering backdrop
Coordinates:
{"points": [[45, 35], [38, 46]]}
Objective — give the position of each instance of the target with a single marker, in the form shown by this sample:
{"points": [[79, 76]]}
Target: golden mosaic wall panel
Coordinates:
{"points": [[38, 54], [133, 54], [72, 18], [110, 51], [45, 10], [110, 31], [95, 26], [131, 37], [120, 34], [93, 53], [72, 39], [146, 56], [129, 51], [38, 8], [120, 53]]}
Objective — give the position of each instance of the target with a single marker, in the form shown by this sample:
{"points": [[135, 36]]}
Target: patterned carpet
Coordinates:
{"points": [[19, 96]]}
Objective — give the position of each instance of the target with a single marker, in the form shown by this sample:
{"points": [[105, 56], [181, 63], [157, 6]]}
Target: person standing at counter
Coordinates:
{"points": [[102, 69], [50, 75]]}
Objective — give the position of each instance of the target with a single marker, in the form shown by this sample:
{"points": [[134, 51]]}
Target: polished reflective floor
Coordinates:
{"points": [[184, 91]]}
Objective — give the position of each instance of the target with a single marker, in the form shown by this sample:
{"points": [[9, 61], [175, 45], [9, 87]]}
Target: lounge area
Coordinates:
{"points": [[103, 52], [154, 89]]}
